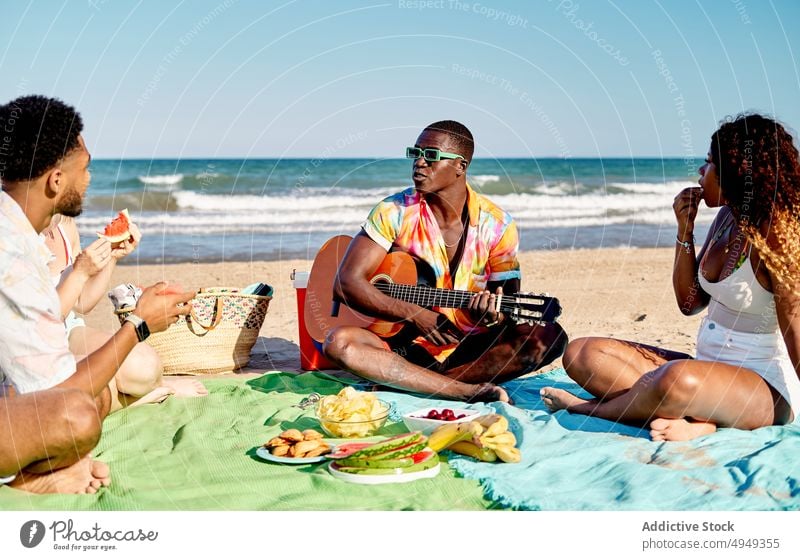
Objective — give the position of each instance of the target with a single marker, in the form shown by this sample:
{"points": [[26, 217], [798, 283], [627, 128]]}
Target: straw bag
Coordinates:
{"points": [[217, 336]]}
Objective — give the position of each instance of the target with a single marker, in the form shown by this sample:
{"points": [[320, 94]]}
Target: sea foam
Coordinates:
{"points": [[162, 179], [480, 180], [209, 214]]}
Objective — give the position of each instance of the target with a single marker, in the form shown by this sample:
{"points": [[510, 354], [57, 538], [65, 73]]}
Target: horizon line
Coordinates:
{"points": [[377, 158]]}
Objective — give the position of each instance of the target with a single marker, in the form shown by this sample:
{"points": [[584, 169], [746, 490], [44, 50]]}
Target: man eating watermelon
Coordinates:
{"points": [[49, 416]]}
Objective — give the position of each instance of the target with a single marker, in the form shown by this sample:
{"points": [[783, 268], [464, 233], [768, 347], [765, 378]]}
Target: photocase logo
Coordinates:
{"points": [[31, 533]]}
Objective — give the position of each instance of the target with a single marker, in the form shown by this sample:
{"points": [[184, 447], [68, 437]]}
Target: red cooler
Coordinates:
{"points": [[311, 357]]}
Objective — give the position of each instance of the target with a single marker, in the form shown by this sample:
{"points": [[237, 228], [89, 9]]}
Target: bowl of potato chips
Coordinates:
{"points": [[352, 414]]}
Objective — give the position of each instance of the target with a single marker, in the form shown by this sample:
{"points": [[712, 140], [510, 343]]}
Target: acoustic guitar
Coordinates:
{"points": [[402, 277]]}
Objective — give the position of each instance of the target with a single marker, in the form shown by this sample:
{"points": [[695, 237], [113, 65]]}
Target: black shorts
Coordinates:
{"points": [[471, 347]]}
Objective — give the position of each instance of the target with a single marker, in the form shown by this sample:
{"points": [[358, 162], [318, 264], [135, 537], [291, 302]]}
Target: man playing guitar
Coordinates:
{"points": [[469, 244]]}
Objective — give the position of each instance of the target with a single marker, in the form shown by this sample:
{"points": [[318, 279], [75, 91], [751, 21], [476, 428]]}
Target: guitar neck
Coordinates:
{"points": [[425, 296]]}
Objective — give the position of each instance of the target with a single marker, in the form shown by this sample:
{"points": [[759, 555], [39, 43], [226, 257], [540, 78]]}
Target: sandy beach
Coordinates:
{"points": [[624, 293]]}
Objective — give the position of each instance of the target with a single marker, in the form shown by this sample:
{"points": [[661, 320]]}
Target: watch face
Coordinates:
{"points": [[142, 331]]}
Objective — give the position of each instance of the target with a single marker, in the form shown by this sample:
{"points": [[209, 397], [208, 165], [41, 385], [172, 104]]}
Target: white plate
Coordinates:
{"points": [[264, 453], [383, 478]]}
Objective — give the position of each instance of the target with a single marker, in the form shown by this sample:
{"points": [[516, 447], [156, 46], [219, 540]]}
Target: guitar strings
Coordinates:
{"points": [[426, 296]]}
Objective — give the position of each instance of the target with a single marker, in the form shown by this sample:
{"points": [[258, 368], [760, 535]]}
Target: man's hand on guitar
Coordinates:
{"points": [[436, 328], [484, 309]]}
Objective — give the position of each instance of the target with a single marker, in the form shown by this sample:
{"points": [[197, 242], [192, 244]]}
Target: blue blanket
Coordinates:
{"points": [[575, 462]]}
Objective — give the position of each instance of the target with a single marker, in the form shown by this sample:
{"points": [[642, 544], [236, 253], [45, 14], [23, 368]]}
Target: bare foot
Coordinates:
{"points": [[559, 399], [84, 477], [185, 386], [178, 386], [489, 392], [157, 395], [101, 474], [679, 429]]}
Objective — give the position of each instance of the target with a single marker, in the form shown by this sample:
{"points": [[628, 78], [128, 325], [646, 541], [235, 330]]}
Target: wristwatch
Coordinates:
{"points": [[142, 332]]}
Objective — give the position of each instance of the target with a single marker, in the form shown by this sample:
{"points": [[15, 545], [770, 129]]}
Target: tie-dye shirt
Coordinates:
{"points": [[34, 352], [404, 221]]}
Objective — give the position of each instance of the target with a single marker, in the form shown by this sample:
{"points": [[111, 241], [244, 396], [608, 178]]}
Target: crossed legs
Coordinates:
{"points": [[139, 379], [45, 440], [680, 397], [470, 373]]}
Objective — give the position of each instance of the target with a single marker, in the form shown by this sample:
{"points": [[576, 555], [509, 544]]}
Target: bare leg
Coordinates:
{"points": [[365, 354], [122, 400], [607, 367], [139, 379], [712, 393], [45, 438]]}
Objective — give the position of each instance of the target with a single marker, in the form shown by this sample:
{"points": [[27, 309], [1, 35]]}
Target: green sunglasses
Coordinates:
{"points": [[430, 154]]}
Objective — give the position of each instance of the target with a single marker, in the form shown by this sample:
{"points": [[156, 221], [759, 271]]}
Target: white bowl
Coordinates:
{"points": [[416, 421]]}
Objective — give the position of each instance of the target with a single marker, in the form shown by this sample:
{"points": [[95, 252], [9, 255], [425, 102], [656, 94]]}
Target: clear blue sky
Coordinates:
{"points": [[236, 78]]}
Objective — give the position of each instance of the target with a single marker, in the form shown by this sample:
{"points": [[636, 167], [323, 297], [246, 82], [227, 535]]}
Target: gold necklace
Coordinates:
{"points": [[464, 218], [730, 242], [722, 232], [456, 242]]}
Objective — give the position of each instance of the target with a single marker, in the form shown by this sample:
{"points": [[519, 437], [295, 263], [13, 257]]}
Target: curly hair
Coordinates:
{"points": [[459, 134], [759, 174], [35, 133]]}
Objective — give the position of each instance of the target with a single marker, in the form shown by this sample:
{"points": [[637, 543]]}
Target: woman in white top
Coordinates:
{"points": [[82, 278], [747, 274]]}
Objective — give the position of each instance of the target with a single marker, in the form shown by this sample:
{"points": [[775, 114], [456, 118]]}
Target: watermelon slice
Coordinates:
{"points": [[119, 229], [423, 455], [347, 449]]}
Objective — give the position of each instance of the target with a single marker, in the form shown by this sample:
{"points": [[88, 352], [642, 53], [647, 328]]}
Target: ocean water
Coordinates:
{"points": [[196, 210]]}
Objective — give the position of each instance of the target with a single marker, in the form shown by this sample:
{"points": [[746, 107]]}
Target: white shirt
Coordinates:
{"points": [[34, 351]]}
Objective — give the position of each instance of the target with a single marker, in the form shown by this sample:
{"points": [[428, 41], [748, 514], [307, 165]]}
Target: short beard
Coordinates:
{"points": [[71, 205]]}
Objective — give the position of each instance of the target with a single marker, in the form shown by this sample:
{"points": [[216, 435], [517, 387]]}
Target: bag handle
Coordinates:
{"points": [[217, 317]]}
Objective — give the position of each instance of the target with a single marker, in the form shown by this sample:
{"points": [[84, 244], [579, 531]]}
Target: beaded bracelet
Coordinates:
{"points": [[685, 244]]}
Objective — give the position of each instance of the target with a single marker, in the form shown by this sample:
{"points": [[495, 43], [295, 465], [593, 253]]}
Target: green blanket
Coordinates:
{"points": [[199, 454]]}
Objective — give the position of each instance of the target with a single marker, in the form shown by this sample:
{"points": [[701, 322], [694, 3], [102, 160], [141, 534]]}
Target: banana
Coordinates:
{"points": [[447, 434], [491, 440], [506, 439], [471, 450], [487, 439], [508, 454], [494, 424], [444, 435]]}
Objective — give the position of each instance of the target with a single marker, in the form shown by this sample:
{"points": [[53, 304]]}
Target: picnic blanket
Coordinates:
{"points": [[199, 454], [575, 462]]}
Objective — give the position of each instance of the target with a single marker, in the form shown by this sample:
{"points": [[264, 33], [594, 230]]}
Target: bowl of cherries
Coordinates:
{"points": [[426, 420]]}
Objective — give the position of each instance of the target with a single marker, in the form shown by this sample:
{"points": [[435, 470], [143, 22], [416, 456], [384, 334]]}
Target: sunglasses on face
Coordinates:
{"points": [[430, 154]]}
